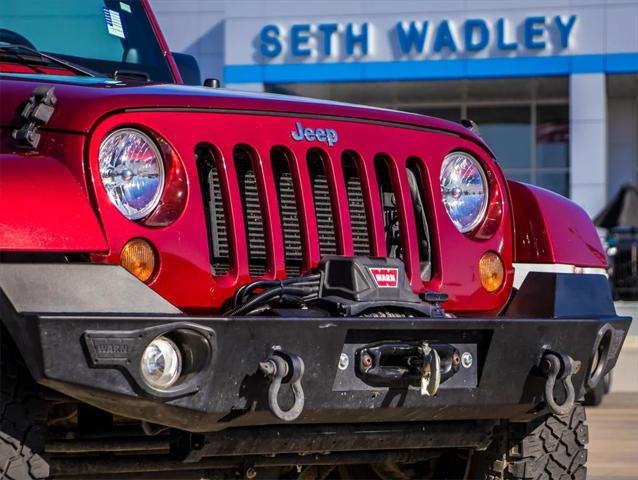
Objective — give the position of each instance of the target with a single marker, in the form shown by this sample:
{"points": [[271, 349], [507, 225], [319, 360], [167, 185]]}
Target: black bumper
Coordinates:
{"points": [[94, 356]]}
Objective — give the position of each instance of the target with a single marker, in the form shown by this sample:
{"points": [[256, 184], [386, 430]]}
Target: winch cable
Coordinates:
{"points": [[241, 296], [298, 290]]}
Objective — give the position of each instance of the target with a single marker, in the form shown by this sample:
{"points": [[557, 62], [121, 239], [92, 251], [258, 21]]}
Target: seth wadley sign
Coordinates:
{"points": [[535, 33]]}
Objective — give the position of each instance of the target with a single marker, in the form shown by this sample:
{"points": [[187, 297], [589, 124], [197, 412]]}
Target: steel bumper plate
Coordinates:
{"points": [[96, 359]]}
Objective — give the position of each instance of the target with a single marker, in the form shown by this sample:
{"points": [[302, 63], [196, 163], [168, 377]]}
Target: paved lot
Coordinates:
{"points": [[613, 438], [613, 426], [626, 370]]}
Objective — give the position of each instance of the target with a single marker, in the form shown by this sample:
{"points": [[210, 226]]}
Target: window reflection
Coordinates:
{"points": [[552, 148], [524, 121], [452, 114], [508, 131], [542, 159], [552, 136]]}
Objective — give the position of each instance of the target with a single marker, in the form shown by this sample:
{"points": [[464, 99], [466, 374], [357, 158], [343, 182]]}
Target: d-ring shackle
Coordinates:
{"points": [[559, 367], [286, 368]]}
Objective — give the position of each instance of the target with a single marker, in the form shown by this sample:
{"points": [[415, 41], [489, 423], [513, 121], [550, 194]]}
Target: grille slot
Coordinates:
{"points": [[251, 207], [323, 205], [356, 204], [214, 210], [413, 172], [391, 225], [288, 210]]}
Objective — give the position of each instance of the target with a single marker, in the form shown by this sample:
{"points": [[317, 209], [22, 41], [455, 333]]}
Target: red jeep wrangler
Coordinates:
{"points": [[201, 283]]}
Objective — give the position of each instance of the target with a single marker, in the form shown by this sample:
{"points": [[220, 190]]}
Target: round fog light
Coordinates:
{"points": [[161, 363], [491, 271]]}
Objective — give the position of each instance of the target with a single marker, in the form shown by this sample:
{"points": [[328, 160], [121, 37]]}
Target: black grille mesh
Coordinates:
{"points": [[214, 208], [288, 211], [323, 207], [253, 218], [218, 225], [358, 219], [288, 196]]}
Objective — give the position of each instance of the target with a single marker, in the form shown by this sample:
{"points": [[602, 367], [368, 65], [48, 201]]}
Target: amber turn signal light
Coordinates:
{"points": [[491, 271], [138, 257]]}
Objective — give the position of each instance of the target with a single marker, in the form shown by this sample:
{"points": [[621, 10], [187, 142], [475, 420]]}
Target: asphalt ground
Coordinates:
{"points": [[613, 425]]}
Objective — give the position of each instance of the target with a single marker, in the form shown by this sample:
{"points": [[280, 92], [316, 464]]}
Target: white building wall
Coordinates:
{"points": [[588, 140], [195, 27]]}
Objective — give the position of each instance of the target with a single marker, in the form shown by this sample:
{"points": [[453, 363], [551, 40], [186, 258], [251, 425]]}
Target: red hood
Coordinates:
{"points": [[80, 105]]}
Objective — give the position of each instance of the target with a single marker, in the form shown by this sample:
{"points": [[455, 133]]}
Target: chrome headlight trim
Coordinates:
{"points": [[110, 162], [456, 193]]}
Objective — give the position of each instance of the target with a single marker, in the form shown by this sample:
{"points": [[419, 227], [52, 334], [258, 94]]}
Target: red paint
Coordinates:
{"points": [[53, 200], [385, 277], [494, 212], [80, 107], [553, 229], [173, 199], [184, 275], [43, 208], [6, 67]]}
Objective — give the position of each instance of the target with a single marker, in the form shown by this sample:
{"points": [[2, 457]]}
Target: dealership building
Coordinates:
{"points": [[552, 84]]}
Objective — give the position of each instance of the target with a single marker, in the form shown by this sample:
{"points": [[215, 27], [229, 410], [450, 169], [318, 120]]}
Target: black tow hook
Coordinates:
{"points": [[284, 368], [559, 367]]}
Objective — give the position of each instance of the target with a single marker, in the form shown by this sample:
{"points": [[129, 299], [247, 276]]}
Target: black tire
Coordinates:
{"points": [[23, 421], [594, 397], [553, 448]]}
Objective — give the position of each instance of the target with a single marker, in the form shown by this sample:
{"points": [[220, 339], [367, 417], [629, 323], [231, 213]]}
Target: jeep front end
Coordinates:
{"points": [[197, 281]]}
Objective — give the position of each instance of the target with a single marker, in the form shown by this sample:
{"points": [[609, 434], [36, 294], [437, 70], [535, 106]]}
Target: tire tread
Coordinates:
{"points": [[23, 422], [554, 449]]}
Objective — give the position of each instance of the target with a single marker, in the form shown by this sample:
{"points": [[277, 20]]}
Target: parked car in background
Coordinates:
{"points": [[620, 220], [622, 250]]}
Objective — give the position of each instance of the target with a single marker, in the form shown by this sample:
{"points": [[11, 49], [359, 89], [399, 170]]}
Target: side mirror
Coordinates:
{"points": [[188, 68]]}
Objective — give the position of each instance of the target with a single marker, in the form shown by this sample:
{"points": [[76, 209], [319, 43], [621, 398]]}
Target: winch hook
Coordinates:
{"points": [[559, 367], [287, 368]]}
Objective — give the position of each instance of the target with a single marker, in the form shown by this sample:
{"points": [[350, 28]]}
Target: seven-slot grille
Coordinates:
{"points": [[292, 192]]}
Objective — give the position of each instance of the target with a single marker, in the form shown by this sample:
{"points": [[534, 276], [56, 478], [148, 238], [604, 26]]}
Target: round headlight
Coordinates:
{"points": [[161, 363], [132, 172], [464, 190]]}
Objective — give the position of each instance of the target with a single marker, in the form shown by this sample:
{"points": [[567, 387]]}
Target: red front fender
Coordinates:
{"points": [[44, 209], [552, 229]]}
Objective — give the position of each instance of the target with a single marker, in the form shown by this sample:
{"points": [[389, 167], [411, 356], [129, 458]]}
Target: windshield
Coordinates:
{"points": [[102, 35]]}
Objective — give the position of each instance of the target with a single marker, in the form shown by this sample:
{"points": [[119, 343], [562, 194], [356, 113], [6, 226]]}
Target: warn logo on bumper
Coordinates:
{"points": [[385, 277]]}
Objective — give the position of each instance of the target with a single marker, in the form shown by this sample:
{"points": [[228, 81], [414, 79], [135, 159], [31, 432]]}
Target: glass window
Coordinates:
{"points": [[524, 120], [555, 181], [103, 35], [552, 136], [508, 131], [495, 89], [520, 176], [453, 114]]}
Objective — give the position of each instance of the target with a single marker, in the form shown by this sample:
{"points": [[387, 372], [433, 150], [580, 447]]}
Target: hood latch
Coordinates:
{"points": [[36, 113]]}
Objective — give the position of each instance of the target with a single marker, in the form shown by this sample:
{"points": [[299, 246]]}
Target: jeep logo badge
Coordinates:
{"points": [[323, 135], [385, 277]]}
